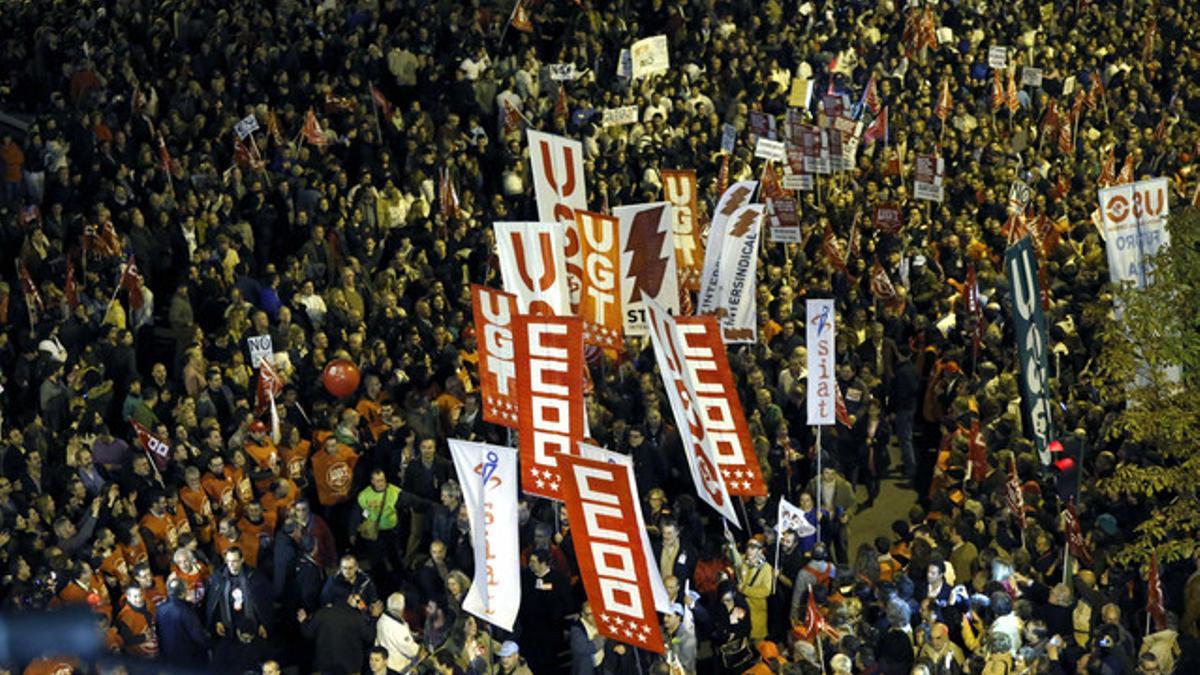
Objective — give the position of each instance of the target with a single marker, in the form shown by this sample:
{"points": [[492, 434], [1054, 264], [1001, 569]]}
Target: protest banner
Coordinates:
{"points": [[681, 190], [494, 311], [816, 154], [733, 199], [1019, 194], [785, 228], [563, 72], [613, 117], [600, 297], [997, 57], [559, 187], [648, 270], [1134, 220], [1032, 340], [737, 275], [261, 349], [928, 182], [533, 266], [770, 150], [1031, 76], [650, 56], [246, 126], [728, 137], [888, 218]]}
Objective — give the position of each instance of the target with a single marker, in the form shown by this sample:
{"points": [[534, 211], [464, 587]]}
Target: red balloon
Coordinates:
{"points": [[340, 377]]}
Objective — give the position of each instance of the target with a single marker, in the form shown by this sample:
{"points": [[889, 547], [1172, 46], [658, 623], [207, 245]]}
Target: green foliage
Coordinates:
{"points": [[1160, 328]]}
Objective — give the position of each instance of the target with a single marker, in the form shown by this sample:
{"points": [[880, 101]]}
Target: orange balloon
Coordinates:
{"points": [[340, 377]]}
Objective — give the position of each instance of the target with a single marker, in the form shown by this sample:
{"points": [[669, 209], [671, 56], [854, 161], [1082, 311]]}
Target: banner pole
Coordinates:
{"points": [[775, 567], [817, 497]]}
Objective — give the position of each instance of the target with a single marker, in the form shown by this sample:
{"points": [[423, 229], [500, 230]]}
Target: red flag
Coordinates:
{"points": [[103, 240], [1160, 131], [550, 410], [273, 127], [1075, 542], [839, 408], [977, 453], [723, 175], [1013, 496], [1126, 175], [1015, 227], [312, 132], [1154, 595], [1077, 105], [871, 96], [269, 385], [337, 103], [494, 311], [448, 204], [928, 29], [156, 448], [944, 105], [832, 249], [520, 18], [1049, 119], [131, 281], [381, 102], [1014, 103], [998, 96], [1096, 93], [164, 157], [1064, 134], [512, 118], [878, 130], [70, 290], [1108, 170], [881, 284], [32, 297], [815, 624], [560, 104]]}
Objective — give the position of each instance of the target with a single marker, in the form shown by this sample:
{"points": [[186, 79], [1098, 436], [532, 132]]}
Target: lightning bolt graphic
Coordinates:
{"points": [[735, 200], [742, 225], [648, 265]]}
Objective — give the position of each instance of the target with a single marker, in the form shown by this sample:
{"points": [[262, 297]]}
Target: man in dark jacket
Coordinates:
{"points": [[545, 600], [341, 635], [181, 637], [238, 612], [350, 580]]}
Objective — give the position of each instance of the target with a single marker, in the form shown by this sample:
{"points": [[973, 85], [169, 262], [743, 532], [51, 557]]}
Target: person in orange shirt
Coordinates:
{"points": [[154, 591], [158, 529], [370, 406], [239, 473], [333, 471], [197, 505], [257, 523], [295, 455], [113, 565], [136, 625], [134, 548], [228, 536], [264, 454], [279, 499], [53, 665], [85, 589], [220, 484], [192, 572]]}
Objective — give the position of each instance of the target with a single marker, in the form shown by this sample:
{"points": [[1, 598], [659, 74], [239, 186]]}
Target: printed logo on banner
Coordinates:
{"points": [[888, 218], [494, 311], [822, 385], [549, 403], [612, 562], [558, 186], [648, 269], [720, 408], [561, 72], [600, 301], [488, 477], [680, 189], [734, 198], [668, 351], [786, 229], [1032, 340], [532, 265], [761, 124], [816, 154]]}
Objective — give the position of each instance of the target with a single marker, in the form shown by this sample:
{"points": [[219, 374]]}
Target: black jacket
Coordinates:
{"points": [[181, 636], [341, 635]]}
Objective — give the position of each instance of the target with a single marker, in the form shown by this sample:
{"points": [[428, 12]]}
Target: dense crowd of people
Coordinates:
{"points": [[341, 545]]}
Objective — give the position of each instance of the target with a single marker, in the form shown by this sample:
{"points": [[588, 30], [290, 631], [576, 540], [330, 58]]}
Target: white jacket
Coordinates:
{"points": [[394, 635]]}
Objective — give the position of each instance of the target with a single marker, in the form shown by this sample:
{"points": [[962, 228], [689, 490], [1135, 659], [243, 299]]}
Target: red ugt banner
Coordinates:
{"points": [[494, 312], [608, 547], [550, 406]]}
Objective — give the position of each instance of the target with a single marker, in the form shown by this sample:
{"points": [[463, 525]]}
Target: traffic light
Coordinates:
{"points": [[1066, 456]]}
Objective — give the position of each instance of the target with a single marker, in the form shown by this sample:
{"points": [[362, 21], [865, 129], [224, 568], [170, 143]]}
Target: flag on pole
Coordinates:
{"points": [[814, 623], [1155, 606], [520, 18], [164, 157], [871, 96], [32, 297], [1095, 93], [881, 285], [998, 96], [1049, 119], [131, 281], [1064, 133], [560, 103], [273, 128], [944, 104], [158, 450], [1160, 131], [1014, 498], [791, 517], [839, 408], [381, 102], [977, 453], [1108, 169], [70, 289], [448, 204], [1014, 103], [878, 130], [1075, 543], [1126, 175], [312, 131]]}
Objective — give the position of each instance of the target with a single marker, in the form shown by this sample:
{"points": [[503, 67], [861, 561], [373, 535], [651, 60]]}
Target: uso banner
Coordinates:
{"points": [[600, 296], [494, 311], [720, 408], [737, 279], [549, 398], [1032, 342], [647, 262], [679, 188], [613, 562], [669, 352], [558, 185], [1134, 216], [735, 197], [488, 476], [533, 267], [822, 382]]}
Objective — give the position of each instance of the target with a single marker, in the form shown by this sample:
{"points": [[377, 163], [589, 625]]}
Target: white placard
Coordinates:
{"points": [[775, 151], [615, 117], [562, 72], [997, 57], [246, 126], [1031, 76], [261, 349], [650, 56]]}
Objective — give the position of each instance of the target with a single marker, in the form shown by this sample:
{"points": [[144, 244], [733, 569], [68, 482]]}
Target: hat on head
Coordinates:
{"points": [[258, 427], [508, 649], [757, 540], [768, 650]]}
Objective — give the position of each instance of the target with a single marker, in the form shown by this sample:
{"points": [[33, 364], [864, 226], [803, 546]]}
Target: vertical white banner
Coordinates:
{"points": [[822, 379], [558, 185], [488, 476], [533, 267], [648, 269], [735, 197], [737, 278]]}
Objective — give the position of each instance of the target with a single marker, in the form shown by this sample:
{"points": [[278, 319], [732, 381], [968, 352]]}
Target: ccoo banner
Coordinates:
{"points": [[1032, 340]]}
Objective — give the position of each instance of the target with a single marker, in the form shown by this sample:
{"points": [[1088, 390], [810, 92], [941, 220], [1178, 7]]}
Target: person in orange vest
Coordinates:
{"points": [[192, 572], [197, 505], [136, 625], [333, 472], [259, 524], [154, 591], [220, 485], [295, 455], [159, 530], [228, 536], [264, 454], [85, 589]]}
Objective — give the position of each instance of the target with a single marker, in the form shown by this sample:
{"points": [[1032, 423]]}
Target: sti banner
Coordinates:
{"points": [[1135, 227], [559, 187], [549, 399], [822, 380], [488, 476], [1032, 343], [647, 262]]}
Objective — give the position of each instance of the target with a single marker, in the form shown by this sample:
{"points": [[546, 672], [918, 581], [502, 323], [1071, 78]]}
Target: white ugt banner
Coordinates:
{"points": [[822, 383], [488, 476], [532, 266], [558, 185]]}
